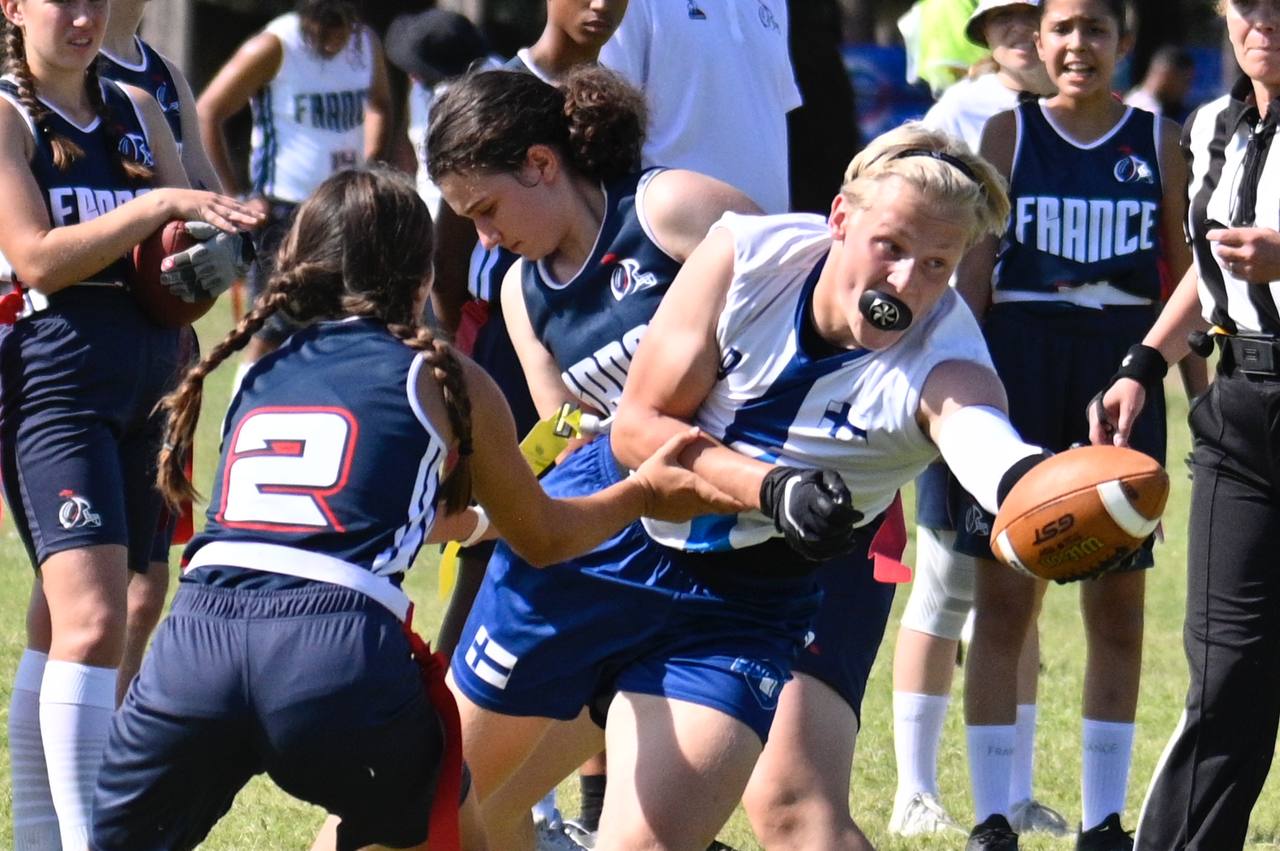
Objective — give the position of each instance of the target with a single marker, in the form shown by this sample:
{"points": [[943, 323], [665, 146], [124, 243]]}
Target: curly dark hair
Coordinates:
{"points": [[486, 122]]}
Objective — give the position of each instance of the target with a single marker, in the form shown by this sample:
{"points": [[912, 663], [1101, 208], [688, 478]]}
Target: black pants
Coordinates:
{"points": [[1215, 766]]}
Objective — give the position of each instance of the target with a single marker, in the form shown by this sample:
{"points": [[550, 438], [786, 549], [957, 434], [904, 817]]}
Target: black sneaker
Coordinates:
{"points": [[994, 834], [1107, 836]]}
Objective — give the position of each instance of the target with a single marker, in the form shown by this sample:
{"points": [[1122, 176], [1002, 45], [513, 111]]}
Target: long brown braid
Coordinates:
{"points": [[359, 246], [65, 151]]}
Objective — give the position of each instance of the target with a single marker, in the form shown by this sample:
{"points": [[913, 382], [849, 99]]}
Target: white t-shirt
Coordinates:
{"points": [[308, 122], [718, 79], [854, 412], [964, 108]]}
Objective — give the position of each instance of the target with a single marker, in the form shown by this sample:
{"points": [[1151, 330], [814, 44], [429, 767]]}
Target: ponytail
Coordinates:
{"points": [[182, 406]]}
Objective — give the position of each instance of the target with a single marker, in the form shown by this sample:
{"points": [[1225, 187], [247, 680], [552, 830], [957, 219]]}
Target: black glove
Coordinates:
{"points": [[812, 509]]}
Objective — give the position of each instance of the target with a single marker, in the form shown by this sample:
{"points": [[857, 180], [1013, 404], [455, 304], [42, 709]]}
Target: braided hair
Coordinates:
{"points": [[65, 151], [361, 245]]}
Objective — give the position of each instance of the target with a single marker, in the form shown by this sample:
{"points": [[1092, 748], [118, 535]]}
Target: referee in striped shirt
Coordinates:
{"points": [[1214, 767]]}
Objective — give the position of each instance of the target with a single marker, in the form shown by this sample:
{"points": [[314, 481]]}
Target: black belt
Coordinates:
{"points": [[1252, 356]]}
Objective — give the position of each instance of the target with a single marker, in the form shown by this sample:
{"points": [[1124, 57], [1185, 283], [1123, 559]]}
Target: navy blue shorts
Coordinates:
{"points": [[78, 433], [1053, 359], [849, 628], [314, 686], [716, 630]]}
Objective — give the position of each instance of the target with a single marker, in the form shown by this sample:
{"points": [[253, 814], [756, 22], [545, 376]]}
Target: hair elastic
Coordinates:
{"points": [[951, 160]]}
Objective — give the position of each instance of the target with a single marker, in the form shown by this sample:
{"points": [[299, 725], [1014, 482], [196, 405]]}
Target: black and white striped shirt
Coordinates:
{"points": [[1234, 182]]}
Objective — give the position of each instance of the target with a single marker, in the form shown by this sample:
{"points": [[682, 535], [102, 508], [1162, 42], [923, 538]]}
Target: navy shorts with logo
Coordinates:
{"points": [[720, 630], [313, 685], [849, 628], [78, 434], [1053, 359]]}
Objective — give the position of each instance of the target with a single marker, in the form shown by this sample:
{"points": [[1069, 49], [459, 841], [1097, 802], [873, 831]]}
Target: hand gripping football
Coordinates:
{"points": [[160, 304], [1080, 512]]}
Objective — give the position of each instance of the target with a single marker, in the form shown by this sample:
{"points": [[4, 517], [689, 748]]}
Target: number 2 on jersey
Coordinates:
{"points": [[283, 465]]}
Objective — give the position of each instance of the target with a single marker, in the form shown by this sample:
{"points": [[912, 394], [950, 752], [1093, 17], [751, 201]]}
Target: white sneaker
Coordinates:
{"points": [[1031, 816], [922, 814], [548, 838]]}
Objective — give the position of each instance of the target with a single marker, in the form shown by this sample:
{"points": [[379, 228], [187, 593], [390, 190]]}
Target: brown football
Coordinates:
{"points": [[1077, 512], [159, 304]]}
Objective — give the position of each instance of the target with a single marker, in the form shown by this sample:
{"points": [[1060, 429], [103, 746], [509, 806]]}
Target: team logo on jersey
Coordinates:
{"points": [[135, 147], [627, 279], [695, 13], [163, 98], [1134, 169], [728, 362], [767, 18], [489, 660], [842, 427], [76, 512], [765, 680], [975, 521]]}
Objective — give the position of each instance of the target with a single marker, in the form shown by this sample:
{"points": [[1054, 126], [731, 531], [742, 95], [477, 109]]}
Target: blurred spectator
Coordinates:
{"points": [[1164, 89], [937, 50], [721, 109], [432, 47]]}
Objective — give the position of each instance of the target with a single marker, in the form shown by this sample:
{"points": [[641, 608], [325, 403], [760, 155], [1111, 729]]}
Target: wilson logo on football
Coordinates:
{"points": [[76, 512], [627, 279]]}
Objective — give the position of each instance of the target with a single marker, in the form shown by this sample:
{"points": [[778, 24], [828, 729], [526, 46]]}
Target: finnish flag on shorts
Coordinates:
{"points": [[489, 660]]}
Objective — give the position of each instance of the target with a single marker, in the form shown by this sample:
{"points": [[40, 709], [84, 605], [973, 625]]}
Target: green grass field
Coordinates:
{"points": [[264, 818]]}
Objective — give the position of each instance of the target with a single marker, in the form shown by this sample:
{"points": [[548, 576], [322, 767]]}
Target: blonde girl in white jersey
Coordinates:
{"points": [[912, 203]]}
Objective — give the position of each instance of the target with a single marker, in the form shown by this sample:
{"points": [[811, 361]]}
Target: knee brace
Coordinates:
{"points": [[942, 593]]}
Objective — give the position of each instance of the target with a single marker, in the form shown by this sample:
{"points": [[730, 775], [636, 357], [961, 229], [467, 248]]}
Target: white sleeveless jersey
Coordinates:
{"points": [[854, 412], [308, 122]]}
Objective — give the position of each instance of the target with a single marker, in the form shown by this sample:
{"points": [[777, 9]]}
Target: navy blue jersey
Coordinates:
{"points": [[94, 183], [593, 323], [1082, 214], [326, 449], [153, 77]]}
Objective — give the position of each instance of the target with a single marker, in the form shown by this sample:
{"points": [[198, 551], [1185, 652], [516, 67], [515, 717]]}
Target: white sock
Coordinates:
{"points": [[1104, 776], [990, 763], [1024, 754], [35, 822], [917, 729], [545, 810], [76, 703]]}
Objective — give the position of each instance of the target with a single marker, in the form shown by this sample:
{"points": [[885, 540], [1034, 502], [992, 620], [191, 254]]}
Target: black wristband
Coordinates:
{"points": [[1015, 472], [1144, 365]]}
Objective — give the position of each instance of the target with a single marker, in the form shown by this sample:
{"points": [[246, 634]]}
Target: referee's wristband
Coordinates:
{"points": [[1144, 364], [482, 526]]}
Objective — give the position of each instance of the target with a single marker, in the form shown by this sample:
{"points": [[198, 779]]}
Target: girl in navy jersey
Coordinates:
{"points": [[81, 160], [129, 59], [1097, 192], [553, 175], [335, 454]]}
